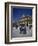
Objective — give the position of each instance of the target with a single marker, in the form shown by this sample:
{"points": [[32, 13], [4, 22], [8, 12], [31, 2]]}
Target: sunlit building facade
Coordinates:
{"points": [[25, 20]]}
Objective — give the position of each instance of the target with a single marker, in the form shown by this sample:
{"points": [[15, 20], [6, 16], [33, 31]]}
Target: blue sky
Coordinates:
{"points": [[16, 13]]}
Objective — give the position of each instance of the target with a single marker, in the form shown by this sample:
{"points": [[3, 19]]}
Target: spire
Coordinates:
{"points": [[23, 15]]}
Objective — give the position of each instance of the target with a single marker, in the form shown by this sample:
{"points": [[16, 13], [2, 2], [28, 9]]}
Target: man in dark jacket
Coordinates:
{"points": [[23, 29]]}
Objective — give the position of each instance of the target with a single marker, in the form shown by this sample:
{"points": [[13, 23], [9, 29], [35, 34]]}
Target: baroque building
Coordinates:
{"points": [[25, 19]]}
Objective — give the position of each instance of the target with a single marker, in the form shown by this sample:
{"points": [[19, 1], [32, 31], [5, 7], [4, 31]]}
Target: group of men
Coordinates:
{"points": [[23, 28]]}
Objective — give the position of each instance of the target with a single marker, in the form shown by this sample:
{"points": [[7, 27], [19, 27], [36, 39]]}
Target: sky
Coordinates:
{"points": [[16, 13]]}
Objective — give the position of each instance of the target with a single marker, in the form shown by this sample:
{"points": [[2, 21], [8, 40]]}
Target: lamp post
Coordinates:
{"points": [[27, 20]]}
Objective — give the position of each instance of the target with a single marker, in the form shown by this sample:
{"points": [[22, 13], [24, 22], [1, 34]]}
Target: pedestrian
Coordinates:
{"points": [[24, 32]]}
